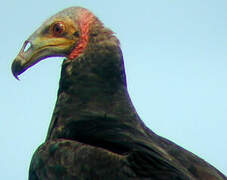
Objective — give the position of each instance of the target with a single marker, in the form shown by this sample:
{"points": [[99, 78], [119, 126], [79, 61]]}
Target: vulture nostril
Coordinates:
{"points": [[27, 46]]}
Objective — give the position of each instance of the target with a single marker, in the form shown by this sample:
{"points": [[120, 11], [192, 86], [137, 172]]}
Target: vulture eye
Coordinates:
{"points": [[58, 28]]}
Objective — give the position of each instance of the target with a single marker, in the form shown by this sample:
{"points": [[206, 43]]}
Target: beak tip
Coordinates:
{"points": [[16, 68], [16, 76]]}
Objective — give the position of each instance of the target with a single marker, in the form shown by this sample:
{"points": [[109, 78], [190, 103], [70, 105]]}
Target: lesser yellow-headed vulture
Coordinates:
{"points": [[95, 132]]}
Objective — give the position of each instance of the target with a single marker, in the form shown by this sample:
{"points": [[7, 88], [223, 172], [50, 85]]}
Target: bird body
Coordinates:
{"points": [[95, 131]]}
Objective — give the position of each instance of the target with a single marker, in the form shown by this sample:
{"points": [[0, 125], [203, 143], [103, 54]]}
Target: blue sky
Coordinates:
{"points": [[176, 64]]}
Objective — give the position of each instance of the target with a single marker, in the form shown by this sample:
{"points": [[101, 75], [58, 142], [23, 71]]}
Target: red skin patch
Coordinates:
{"points": [[86, 18]]}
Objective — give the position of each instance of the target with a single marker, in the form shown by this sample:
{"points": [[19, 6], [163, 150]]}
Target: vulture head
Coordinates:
{"points": [[66, 34]]}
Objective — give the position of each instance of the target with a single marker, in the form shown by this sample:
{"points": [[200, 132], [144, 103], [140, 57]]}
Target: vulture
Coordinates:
{"points": [[95, 131]]}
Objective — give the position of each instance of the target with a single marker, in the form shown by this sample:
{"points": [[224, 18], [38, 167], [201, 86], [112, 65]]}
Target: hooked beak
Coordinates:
{"points": [[37, 48], [24, 59]]}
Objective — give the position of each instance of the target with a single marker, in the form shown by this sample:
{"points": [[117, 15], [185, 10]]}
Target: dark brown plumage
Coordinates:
{"points": [[95, 132]]}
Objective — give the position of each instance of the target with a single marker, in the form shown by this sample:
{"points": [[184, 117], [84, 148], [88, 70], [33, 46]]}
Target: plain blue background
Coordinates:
{"points": [[176, 64]]}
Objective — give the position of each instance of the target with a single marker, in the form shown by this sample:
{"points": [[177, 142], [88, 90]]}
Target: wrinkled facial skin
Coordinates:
{"points": [[55, 38]]}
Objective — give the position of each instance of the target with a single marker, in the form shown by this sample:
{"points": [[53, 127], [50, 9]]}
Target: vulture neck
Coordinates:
{"points": [[92, 87]]}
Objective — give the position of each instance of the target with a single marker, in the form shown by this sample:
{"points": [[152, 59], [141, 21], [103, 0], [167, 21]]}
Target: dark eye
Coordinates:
{"points": [[58, 28]]}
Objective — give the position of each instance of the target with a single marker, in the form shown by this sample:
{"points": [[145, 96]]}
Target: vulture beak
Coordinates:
{"points": [[43, 44]]}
